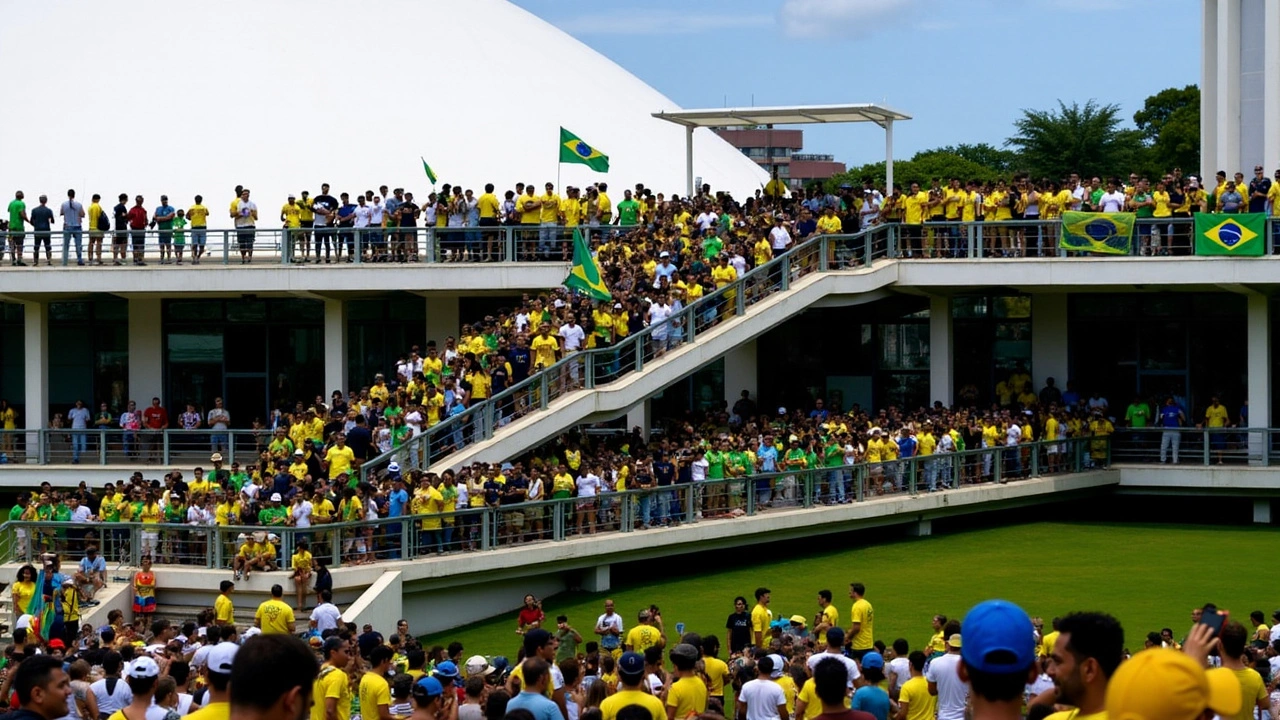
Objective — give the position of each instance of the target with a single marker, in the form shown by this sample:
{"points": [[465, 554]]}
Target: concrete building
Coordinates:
{"points": [[1239, 86], [770, 148]]}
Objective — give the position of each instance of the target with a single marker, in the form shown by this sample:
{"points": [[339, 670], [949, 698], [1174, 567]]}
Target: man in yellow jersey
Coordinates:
{"points": [[914, 700], [375, 691], [862, 622], [687, 695], [331, 693], [1216, 416], [490, 210], [761, 617], [1087, 651], [274, 615], [827, 617], [272, 679], [549, 215], [644, 635], [631, 675], [916, 205], [223, 609]]}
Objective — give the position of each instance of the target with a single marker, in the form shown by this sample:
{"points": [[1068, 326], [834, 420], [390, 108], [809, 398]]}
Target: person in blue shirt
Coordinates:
{"points": [[1170, 418], [163, 218], [346, 222], [536, 673], [767, 454], [871, 698], [664, 476], [819, 412], [397, 499]]}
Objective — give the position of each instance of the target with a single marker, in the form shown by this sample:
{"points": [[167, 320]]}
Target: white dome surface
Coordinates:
{"points": [[151, 96]]}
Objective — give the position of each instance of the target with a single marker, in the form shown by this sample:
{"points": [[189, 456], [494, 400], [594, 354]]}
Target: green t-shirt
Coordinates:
{"points": [[834, 455], [628, 212], [711, 247], [62, 513], [44, 512], [175, 513], [715, 465], [739, 462], [239, 479], [17, 209], [109, 511], [272, 515], [15, 512], [1138, 415], [795, 459], [178, 224], [1145, 211]]}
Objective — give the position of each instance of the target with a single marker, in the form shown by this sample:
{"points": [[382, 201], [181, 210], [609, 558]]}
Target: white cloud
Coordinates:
{"points": [[840, 18], [659, 22]]}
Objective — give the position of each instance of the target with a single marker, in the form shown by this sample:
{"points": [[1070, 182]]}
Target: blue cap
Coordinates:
{"points": [[430, 686], [447, 669], [631, 663], [873, 659], [998, 638]]}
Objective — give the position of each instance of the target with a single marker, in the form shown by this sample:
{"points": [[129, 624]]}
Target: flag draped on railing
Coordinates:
{"points": [[1239, 235], [1107, 233]]}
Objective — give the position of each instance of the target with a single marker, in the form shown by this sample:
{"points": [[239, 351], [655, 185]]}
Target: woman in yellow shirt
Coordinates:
{"points": [[23, 589], [9, 417]]}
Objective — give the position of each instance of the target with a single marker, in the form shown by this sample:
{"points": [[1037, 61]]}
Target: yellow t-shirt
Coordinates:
{"points": [[212, 711], [688, 696], [920, 704], [544, 350], [305, 213], [829, 225], [813, 704], [722, 275], [572, 211], [643, 637], [151, 513], [1046, 643], [1216, 416], [292, 214], [1162, 209], [831, 616], [761, 616], [488, 206], [198, 216], [550, 207], [528, 216], [1072, 714], [615, 702], [864, 614], [322, 510], [915, 207], [274, 617], [340, 460], [374, 691], [302, 559], [224, 610], [331, 683], [717, 671], [789, 692], [1252, 689]]}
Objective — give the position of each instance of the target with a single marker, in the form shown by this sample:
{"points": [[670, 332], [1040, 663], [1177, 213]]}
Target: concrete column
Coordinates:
{"points": [[36, 362], [1271, 87], [146, 352], [1228, 88], [1208, 89], [442, 319], [1262, 512], [336, 347], [920, 528], [941, 357], [596, 579], [1259, 372], [1049, 340], [640, 416], [741, 373]]}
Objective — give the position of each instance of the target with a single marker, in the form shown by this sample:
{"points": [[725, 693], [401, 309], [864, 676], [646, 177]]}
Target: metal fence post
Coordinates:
{"points": [[913, 467], [784, 283], [557, 522], [589, 372], [1035, 459], [359, 252], [165, 441], [544, 396], [997, 464], [1204, 439], [486, 522], [807, 485], [509, 244], [102, 447], [749, 502]]}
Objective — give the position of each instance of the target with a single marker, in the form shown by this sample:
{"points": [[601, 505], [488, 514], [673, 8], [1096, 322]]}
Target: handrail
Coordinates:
{"points": [[404, 537]]}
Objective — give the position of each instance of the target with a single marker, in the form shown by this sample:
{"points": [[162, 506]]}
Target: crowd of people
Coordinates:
{"points": [[995, 663]]}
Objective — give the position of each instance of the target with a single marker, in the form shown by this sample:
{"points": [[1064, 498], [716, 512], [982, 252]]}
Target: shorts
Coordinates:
{"points": [[307, 224], [857, 654], [17, 238], [587, 504], [144, 604], [244, 236], [516, 518]]}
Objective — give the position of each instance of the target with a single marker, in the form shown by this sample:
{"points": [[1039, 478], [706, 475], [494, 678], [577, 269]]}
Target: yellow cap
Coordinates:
{"points": [[1164, 684]]}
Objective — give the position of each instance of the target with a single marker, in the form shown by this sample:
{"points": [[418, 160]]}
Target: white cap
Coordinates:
{"points": [[24, 623], [273, 537], [143, 667], [477, 665], [663, 254], [393, 467], [250, 633], [68, 581], [558, 303], [275, 497], [242, 537], [782, 411], [222, 655]]}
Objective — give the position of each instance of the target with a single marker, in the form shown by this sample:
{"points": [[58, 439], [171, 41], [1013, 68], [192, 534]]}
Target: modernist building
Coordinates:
{"points": [[1240, 86]]}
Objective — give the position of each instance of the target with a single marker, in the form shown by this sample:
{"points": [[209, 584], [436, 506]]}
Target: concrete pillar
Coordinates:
{"points": [[1271, 87], [1049, 340], [741, 373], [920, 528], [146, 352], [1208, 89], [1262, 512], [596, 579], [640, 416], [36, 362], [442, 319], [1259, 372], [336, 347], [1228, 88], [941, 357]]}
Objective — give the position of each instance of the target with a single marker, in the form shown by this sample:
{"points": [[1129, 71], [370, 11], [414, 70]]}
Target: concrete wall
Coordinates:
{"points": [[433, 609], [381, 605]]}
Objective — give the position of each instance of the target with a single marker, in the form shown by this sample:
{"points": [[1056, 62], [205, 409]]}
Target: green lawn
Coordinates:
{"points": [[1149, 576]]}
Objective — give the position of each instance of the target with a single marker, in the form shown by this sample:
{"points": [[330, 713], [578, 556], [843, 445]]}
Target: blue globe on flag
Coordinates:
{"points": [[1100, 230], [583, 149], [1229, 234]]}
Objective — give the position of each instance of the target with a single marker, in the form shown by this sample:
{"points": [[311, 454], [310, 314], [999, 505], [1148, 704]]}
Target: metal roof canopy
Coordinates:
{"points": [[795, 115]]}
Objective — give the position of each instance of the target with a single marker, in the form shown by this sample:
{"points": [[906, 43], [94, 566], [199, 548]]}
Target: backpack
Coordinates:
{"points": [[104, 222]]}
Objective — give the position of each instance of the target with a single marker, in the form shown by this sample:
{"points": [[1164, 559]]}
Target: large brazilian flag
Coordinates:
{"points": [[1231, 234], [1107, 233]]}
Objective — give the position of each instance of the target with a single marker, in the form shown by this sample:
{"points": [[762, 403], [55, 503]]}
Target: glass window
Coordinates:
{"points": [[1012, 306], [254, 311], [1163, 345], [904, 346], [1165, 305], [1099, 306], [195, 348], [193, 311], [968, 307]]}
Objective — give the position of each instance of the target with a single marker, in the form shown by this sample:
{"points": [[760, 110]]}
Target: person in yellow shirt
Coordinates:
{"points": [[687, 695], [862, 621], [1216, 416], [291, 216], [302, 563], [331, 692], [274, 616], [631, 674], [828, 223], [644, 635], [298, 468], [715, 669], [761, 617], [915, 702], [548, 217], [224, 610], [489, 210], [828, 617], [339, 458], [915, 204], [375, 691], [546, 347]]}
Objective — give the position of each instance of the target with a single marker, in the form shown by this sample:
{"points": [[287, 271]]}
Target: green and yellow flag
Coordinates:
{"points": [[574, 150], [1240, 235], [585, 275], [1106, 233], [427, 169]]}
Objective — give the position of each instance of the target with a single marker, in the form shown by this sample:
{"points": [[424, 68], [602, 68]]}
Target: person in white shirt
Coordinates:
{"points": [[779, 237], [835, 641], [706, 219], [762, 698], [899, 667], [1078, 191], [609, 628], [301, 511], [664, 269], [573, 336], [326, 615], [870, 207], [589, 485], [1112, 200], [698, 469], [943, 676]]}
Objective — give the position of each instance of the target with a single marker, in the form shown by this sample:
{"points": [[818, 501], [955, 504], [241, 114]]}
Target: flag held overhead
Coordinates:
{"points": [[427, 169], [574, 150]]}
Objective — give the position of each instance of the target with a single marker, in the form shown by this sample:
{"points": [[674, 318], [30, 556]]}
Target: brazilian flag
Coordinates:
{"points": [[1106, 233], [585, 275], [574, 150], [1231, 234]]}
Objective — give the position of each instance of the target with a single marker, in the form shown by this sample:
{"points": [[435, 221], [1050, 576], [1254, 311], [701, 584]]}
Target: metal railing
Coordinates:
{"points": [[188, 448], [1189, 446], [497, 525], [300, 246]]}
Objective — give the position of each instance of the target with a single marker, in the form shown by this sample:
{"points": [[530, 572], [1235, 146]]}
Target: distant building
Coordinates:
{"points": [[781, 148]]}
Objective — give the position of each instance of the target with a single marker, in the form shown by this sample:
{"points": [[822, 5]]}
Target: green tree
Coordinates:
{"points": [[923, 166], [1072, 138], [988, 156], [1170, 125]]}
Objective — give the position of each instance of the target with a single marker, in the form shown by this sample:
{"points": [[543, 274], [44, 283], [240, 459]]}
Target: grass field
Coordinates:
{"points": [[1149, 576]]}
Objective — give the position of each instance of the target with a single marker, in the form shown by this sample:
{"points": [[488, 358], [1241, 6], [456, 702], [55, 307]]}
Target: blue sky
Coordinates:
{"points": [[964, 69]]}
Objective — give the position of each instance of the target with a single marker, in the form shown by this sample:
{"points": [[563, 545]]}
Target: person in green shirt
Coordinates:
{"points": [[833, 458], [795, 459], [715, 458], [179, 237], [238, 477], [712, 245], [17, 224], [1138, 415], [628, 210], [273, 513], [61, 513]]}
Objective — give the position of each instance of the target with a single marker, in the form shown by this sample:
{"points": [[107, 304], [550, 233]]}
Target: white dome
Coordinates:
{"points": [[180, 98]]}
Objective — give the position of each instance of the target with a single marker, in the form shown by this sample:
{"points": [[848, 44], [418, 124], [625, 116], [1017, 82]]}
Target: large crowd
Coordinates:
{"points": [[995, 663]]}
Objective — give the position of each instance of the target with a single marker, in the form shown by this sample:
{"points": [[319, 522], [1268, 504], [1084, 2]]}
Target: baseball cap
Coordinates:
{"points": [[57, 644], [68, 581], [393, 467], [873, 660], [275, 497], [1001, 639], [955, 640], [428, 686], [663, 254], [24, 623], [1164, 684], [447, 669], [144, 667], [778, 664], [798, 620], [216, 457], [299, 451], [631, 664], [477, 665], [685, 650]]}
